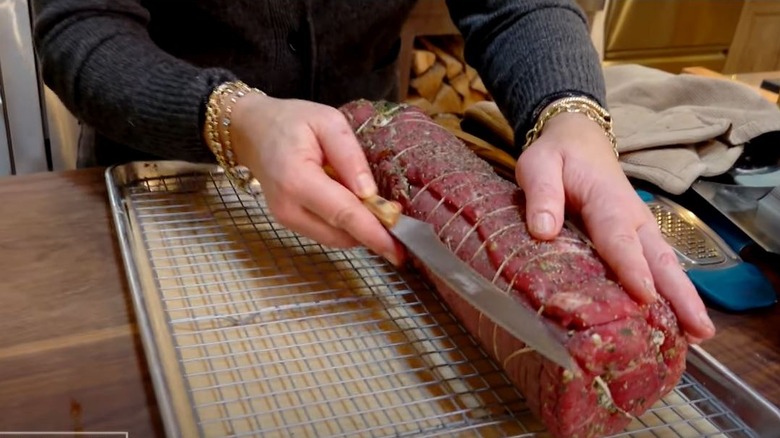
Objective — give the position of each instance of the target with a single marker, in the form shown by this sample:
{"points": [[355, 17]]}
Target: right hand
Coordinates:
{"points": [[286, 143], [572, 166]]}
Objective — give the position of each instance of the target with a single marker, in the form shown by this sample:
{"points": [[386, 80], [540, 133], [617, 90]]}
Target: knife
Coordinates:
{"points": [[737, 193], [754, 210], [421, 240]]}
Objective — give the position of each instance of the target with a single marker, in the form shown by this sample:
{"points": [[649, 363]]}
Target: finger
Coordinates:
{"points": [[312, 226], [343, 152], [674, 284], [341, 209], [618, 243], [693, 340], [539, 174]]}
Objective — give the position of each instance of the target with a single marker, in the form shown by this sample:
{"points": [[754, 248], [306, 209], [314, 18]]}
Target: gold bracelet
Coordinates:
{"points": [[574, 105], [219, 111]]}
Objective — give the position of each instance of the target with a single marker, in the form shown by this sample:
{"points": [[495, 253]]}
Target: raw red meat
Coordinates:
{"points": [[629, 355]]}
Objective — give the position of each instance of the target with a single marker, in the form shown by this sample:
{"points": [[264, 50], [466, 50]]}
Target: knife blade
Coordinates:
{"points": [[747, 208], [735, 191], [421, 240]]}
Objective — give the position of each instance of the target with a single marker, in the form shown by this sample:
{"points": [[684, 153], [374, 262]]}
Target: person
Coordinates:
{"points": [[142, 74]]}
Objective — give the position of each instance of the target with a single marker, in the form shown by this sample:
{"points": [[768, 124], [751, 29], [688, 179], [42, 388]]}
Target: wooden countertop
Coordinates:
{"points": [[70, 355]]}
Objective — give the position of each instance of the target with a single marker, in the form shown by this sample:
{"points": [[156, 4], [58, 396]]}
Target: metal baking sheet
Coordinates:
{"points": [[252, 330]]}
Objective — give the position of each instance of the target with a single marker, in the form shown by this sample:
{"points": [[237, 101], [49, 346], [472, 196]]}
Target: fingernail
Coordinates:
{"points": [[543, 223], [694, 340], [390, 256], [365, 185], [705, 320], [650, 288]]}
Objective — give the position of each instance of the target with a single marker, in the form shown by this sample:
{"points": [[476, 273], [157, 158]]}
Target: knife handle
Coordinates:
{"points": [[386, 211]]}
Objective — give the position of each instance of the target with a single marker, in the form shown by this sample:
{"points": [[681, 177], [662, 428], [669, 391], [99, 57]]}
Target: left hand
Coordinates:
{"points": [[286, 143], [572, 165]]}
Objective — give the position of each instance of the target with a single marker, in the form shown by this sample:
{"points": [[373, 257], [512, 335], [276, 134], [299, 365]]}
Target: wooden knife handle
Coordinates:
{"points": [[386, 211]]}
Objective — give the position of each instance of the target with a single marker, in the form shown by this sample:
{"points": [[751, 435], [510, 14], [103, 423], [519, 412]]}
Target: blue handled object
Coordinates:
{"points": [[711, 259], [739, 287], [645, 195]]}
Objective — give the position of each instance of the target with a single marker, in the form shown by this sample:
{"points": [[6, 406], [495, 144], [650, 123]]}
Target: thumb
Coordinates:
{"points": [[540, 174]]}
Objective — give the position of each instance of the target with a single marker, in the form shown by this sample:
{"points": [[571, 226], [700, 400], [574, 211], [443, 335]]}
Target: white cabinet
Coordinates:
{"points": [[36, 132], [21, 103]]}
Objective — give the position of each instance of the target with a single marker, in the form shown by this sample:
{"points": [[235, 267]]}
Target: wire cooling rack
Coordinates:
{"points": [[252, 330]]}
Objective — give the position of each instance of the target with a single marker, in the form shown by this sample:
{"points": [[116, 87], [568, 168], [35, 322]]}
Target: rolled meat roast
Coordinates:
{"points": [[629, 355]]}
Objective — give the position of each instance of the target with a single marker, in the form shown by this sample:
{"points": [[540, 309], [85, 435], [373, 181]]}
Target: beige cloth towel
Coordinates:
{"points": [[673, 129]]}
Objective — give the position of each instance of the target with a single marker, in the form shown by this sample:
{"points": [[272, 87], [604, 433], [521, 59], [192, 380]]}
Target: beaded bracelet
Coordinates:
{"points": [[219, 110], [574, 105]]}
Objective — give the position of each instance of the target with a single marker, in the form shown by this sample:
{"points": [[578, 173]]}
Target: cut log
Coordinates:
{"points": [[420, 102], [455, 47], [446, 101], [429, 83], [472, 98], [461, 84], [454, 66], [448, 120], [485, 119], [478, 85], [422, 60], [471, 73]]}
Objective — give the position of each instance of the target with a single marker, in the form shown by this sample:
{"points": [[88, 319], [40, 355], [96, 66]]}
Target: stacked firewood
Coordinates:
{"points": [[441, 82]]}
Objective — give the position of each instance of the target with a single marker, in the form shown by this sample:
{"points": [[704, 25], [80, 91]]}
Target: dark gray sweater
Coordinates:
{"points": [[140, 71]]}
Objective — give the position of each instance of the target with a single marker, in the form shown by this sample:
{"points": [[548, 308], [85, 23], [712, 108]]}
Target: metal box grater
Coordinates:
{"points": [[717, 271], [695, 243]]}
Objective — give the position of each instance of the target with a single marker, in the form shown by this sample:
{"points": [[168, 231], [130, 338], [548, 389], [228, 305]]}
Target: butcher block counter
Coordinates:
{"points": [[71, 357]]}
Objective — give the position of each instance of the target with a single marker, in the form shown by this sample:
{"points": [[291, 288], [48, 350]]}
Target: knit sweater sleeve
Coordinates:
{"points": [[98, 57], [529, 53]]}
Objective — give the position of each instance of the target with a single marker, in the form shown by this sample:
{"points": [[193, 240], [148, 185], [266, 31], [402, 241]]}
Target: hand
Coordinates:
{"points": [[572, 164], [286, 143]]}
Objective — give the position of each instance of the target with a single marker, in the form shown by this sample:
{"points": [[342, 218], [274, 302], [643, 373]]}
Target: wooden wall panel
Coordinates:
{"points": [[756, 43]]}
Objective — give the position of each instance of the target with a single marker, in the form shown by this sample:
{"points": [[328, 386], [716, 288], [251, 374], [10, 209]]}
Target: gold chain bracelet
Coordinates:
{"points": [[219, 111], [581, 105]]}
